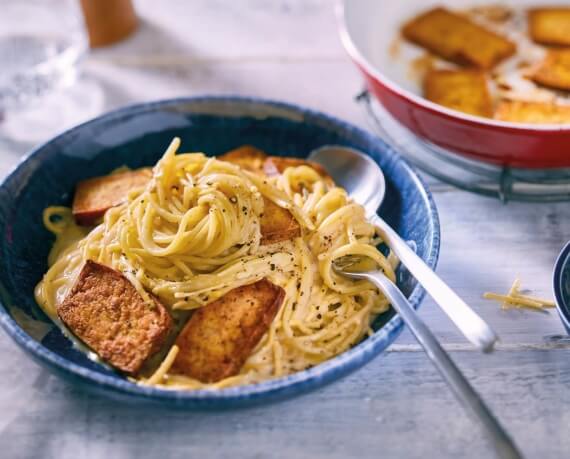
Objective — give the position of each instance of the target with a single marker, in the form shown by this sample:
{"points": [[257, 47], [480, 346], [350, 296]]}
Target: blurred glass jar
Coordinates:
{"points": [[41, 45]]}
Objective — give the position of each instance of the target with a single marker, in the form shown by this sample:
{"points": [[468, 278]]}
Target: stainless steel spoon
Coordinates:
{"points": [[364, 181], [459, 385]]}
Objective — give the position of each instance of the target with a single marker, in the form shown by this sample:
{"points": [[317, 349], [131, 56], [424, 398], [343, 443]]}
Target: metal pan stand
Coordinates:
{"points": [[504, 183]]}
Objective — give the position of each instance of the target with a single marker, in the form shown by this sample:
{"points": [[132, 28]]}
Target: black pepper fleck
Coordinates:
{"points": [[334, 306]]}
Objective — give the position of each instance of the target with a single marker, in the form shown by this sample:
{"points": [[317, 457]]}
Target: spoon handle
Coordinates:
{"points": [[464, 392], [467, 320]]}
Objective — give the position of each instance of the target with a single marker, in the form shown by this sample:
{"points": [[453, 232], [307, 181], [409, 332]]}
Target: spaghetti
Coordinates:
{"points": [[193, 233]]}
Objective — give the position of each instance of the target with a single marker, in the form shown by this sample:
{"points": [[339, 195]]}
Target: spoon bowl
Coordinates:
{"points": [[364, 181], [358, 174]]}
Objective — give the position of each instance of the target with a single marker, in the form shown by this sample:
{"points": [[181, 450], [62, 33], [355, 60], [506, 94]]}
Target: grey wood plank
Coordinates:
{"points": [[108, 86], [248, 29], [396, 406], [125, 84], [485, 245]]}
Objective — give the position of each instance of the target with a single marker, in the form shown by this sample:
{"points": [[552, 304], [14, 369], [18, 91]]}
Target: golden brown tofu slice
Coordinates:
{"points": [[219, 337], [497, 13], [93, 197], [533, 112], [463, 90], [107, 313], [246, 157], [550, 26], [277, 224], [554, 70], [458, 39]]}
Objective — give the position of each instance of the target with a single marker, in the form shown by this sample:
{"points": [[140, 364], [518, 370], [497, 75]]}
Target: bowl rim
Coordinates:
{"points": [[275, 388], [358, 57], [562, 261]]}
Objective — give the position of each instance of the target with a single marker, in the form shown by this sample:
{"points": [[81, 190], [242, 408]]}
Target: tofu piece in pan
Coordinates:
{"points": [[219, 337], [464, 90], [550, 26], [533, 112], [93, 197], [554, 70], [109, 315], [457, 39]]}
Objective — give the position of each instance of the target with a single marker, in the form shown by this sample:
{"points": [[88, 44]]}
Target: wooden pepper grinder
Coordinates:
{"points": [[108, 21]]}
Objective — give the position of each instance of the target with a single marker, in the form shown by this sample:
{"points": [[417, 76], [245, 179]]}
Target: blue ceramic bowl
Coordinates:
{"points": [[561, 286], [137, 136]]}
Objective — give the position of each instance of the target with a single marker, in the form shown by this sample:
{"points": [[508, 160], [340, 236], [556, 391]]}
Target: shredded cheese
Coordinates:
{"points": [[515, 300]]}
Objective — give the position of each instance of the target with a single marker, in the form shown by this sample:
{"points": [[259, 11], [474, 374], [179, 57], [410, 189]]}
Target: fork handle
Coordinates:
{"points": [[503, 444], [467, 321]]}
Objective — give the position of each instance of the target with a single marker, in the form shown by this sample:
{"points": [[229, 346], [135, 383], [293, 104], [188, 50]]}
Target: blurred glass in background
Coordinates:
{"points": [[41, 44]]}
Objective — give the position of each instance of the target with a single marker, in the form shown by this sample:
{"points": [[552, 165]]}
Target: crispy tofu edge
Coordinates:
{"points": [[243, 151], [91, 266], [247, 156], [545, 72], [428, 89], [540, 34], [277, 224], [507, 111], [271, 231], [229, 365], [85, 188]]}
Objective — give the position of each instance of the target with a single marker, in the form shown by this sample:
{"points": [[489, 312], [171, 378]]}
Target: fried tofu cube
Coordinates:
{"points": [[277, 224], [533, 112], [106, 312], [219, 337], [550, 26], [463, 90], [497, 13], [247, 157], [93, 197], [458, 39], [554, 70]]}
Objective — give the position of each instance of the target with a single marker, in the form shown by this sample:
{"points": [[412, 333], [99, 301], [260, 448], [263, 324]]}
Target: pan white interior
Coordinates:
{"points": [[372, 26]]}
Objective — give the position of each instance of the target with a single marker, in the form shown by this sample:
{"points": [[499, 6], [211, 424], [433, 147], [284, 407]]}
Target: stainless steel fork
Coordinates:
{"points": [[464, 392]]}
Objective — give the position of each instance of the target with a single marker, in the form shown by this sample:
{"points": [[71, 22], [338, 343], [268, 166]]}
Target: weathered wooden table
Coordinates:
{"points": [[397, 406]]}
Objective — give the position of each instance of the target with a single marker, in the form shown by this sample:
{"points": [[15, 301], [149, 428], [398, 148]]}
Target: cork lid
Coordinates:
{"points": [[108, 21]]}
